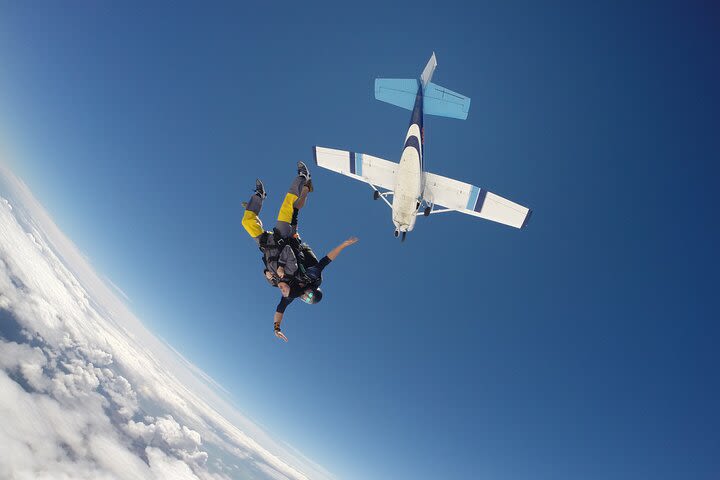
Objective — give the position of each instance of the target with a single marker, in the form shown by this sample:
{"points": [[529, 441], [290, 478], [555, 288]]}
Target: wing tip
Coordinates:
{"points": [[527, 219]]}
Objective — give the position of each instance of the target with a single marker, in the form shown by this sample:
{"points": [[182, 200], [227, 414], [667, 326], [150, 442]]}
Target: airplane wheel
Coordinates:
{"points": [[376, 195], [403, 236], [427, 211], [397, 233]]}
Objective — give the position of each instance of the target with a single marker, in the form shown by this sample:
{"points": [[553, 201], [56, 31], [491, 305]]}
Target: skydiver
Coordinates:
{"points": [[285, 231], [296, 275], [306, 287]]}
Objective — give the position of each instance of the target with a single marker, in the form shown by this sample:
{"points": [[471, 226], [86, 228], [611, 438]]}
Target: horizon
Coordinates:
{"points": [[581, 346]]}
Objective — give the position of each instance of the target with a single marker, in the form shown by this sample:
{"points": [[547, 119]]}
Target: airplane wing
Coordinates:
{"points": [[472, 200], [373, 170]]}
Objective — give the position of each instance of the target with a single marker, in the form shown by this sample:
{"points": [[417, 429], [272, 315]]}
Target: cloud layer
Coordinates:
{"points": [[87, 392]]}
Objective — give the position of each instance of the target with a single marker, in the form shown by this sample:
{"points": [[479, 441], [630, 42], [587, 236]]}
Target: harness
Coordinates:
{"points": [[271, 244]]}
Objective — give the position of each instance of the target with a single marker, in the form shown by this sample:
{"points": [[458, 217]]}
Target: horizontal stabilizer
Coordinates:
{"points": [[442, 102], [400, 92]]}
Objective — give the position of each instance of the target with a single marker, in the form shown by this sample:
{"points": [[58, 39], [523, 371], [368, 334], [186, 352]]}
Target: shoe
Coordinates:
{"points": [[244, 205], [260, 189], [303, 170]]}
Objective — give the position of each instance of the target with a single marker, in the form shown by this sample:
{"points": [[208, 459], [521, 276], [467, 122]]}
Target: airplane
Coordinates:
{"points": [[406, 182]]}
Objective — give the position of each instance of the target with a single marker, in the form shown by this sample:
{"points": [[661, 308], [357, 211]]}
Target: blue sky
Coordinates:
{"points": [[581, 347]]}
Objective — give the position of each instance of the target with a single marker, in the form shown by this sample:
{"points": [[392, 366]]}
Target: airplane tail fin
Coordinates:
{"points": [[427, 73], [437, 100]]}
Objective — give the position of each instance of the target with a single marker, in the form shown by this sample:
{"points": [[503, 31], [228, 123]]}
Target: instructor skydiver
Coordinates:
{"points": [[306, 287]]}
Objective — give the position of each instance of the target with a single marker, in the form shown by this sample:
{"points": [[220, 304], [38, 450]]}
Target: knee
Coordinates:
{"points": [[249, 218]]}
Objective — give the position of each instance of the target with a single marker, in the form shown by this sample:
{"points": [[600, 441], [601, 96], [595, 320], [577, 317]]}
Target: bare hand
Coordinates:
{"points": [[350, 241], [280, 335], [281, 272]]}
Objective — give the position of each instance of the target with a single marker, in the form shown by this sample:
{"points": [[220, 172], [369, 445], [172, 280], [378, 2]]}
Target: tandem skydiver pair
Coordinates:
{"points": [[290, 264]]}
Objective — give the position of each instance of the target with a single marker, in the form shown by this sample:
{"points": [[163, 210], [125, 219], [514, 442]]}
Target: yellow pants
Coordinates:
{"points": [[286, 210], [253, 225]]}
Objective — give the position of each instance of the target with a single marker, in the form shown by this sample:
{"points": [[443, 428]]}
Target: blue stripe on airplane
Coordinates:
{"points": [[413, 141], [417, 113], [352, 162], [472, 198], [480, 200], [358, 163]]}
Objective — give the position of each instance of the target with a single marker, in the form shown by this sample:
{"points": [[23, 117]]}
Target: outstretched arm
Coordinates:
{"points": [[336, 251]]}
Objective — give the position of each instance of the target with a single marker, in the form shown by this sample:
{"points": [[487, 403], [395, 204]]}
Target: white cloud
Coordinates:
{"points": [[166, 467], [87, 392]]}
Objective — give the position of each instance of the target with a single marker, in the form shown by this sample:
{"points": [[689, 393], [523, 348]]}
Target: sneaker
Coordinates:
{"points": [[303, 170], [260, 188]]}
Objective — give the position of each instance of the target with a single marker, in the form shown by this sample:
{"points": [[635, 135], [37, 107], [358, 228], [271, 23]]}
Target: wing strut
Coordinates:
{"points": [[379, 194]]}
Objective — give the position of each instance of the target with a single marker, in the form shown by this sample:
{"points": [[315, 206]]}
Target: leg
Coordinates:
{"points": [[251, 221], [300, 202], [294, 201]]}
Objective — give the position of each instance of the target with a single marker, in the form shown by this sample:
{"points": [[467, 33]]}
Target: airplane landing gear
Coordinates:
{"points": [[427, 211], [404, 234], [376, 195], [397, 232]]}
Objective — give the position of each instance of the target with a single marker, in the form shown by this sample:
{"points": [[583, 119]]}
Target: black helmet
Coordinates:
{"points": [[313, 296]]}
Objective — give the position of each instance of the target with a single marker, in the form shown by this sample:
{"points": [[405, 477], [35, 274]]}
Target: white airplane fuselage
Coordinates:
{"points": [[408, 193]]}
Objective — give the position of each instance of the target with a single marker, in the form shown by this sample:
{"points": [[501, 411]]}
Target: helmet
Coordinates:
{"points": [[312, 296]]}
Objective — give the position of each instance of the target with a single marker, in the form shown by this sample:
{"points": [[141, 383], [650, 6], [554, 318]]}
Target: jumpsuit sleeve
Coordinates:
{"points": [[284, 302], [324, 262]]}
